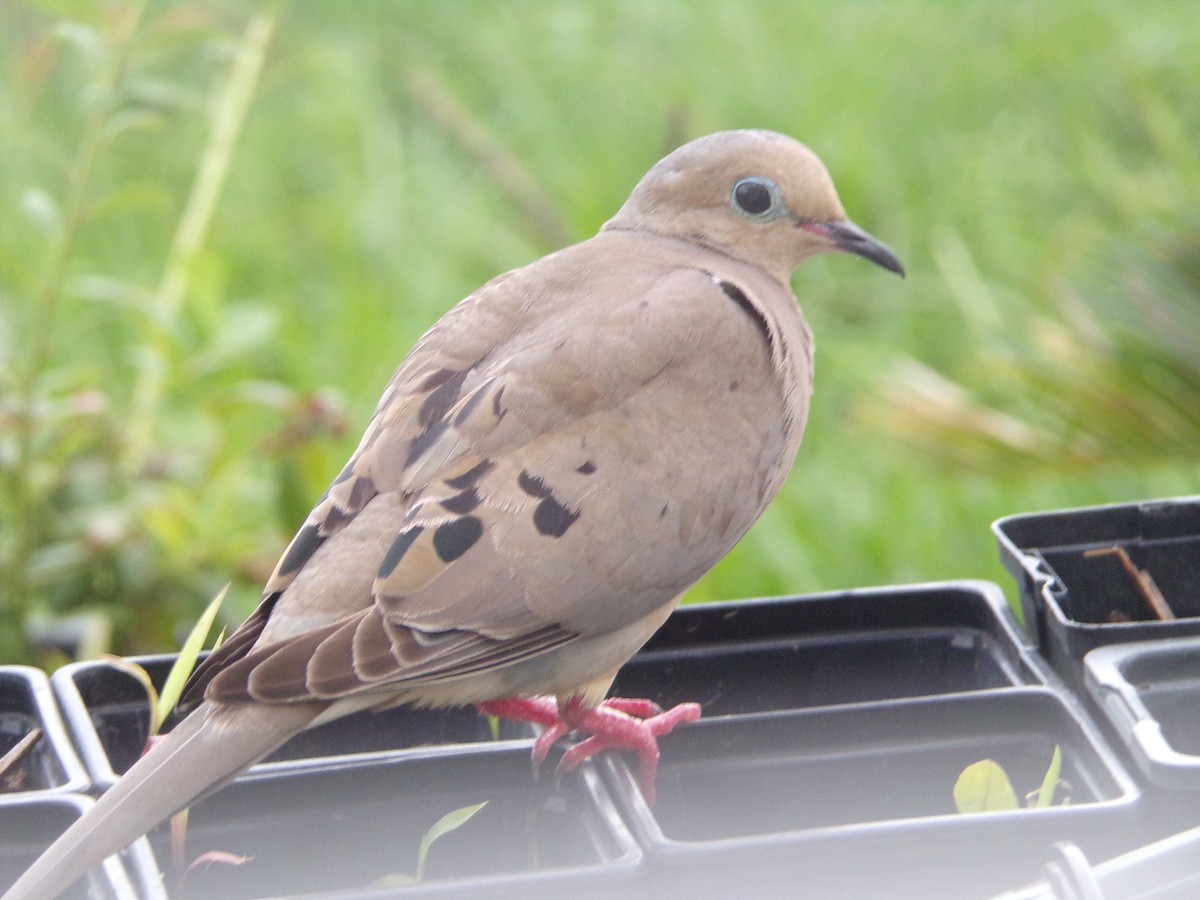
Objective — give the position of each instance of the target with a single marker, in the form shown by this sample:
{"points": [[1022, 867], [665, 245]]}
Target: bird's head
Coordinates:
{"points": [[756, 195]]}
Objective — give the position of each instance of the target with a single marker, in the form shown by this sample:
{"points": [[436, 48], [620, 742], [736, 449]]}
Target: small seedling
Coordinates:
{"points": [[451, 821], [189, 653], [160, 707], [984, 786]]}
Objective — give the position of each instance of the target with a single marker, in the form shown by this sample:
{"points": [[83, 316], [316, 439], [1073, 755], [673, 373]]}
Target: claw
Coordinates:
{"points": [[612, 728], [546, 740]]}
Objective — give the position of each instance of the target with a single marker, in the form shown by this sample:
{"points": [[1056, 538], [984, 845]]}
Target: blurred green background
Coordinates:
{"points": [[223, 224]]}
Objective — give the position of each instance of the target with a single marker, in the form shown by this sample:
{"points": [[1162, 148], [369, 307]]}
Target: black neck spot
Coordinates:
{"points": [[738, 296]]}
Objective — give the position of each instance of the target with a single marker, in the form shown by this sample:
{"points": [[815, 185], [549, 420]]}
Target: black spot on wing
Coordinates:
{"points": [[399, 547], [337, 519], [553, 519], [438, 378], [439, 401], [462, 503], [470, 477], [453, 539], [532, 485], [735, 293], [302, 547], [587, 468], [497, 410], [363, 490]]}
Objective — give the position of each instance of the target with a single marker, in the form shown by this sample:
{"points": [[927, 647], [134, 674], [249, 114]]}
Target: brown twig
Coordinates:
{"points": [[1142, 579], [446, 111], [18, 753]]}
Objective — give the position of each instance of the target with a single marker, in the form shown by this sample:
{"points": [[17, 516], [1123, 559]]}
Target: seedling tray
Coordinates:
{"points": [[856, 801], [108, 713], [336, 831], [1163, 870], [834, 648], [1074, 600], [28, 827], [26, 703], [1150, 693], [835, 727]]}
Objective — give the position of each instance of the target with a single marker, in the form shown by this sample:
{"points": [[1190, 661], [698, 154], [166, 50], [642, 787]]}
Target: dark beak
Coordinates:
{"points": [[848, 237]]}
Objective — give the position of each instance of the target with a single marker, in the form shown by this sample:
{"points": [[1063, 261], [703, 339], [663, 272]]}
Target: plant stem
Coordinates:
{"points": [[545, 221], [229, 116], [50, 293], [26, 494]]}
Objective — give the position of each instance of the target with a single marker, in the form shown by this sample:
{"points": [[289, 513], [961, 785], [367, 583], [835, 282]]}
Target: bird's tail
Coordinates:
{"points": [[206, 750]]}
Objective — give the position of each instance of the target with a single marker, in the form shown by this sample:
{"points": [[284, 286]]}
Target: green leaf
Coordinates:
{"points": [[143, 677], [1046, 793], [182, 670], [984, 787], [447, 823]]}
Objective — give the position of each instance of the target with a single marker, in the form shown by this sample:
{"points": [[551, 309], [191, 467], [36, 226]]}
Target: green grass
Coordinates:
{"points": [[172, 400]]}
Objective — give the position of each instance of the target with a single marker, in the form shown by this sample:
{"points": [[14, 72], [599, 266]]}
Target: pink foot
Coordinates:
{"points": [[538, 710], [617, 723]]}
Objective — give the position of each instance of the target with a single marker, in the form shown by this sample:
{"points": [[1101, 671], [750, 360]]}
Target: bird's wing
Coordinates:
{"points": [[486, 508]]}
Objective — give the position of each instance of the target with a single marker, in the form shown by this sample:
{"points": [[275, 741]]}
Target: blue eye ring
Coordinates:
{"points": [[757, 197]]}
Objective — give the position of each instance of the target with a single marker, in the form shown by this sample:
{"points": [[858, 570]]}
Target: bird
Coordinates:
{"points": [[554, 463]]}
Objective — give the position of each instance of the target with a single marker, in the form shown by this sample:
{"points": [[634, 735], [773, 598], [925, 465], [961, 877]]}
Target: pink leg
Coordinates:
{"points": [[617, 723], [643, 709], [537, 710]]}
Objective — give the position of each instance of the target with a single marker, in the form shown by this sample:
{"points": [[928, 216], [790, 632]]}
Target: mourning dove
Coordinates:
{"points": [[556, 461]]}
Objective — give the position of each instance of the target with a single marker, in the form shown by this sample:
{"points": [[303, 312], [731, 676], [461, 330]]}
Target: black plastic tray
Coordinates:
{"points": [[834, 648], [336, 830], [1163, 870], [107, 712], [26, 702], [835, 726], [27, 828], [822, 798], [1074, 603], [1150, 693]]}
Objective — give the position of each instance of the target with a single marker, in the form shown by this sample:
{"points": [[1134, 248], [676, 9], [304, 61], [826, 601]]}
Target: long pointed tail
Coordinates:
{"points": [[206, 750]]}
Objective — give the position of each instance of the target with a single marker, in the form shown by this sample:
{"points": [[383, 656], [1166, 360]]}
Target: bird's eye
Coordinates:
{"points": [[757, 198]]}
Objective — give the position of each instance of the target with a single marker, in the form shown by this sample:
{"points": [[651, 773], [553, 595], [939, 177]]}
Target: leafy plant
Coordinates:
{"points": [[160, 706], [189, 655], [114, 492], [220, 218], [447, 823], [451, 821], [984, 786]]}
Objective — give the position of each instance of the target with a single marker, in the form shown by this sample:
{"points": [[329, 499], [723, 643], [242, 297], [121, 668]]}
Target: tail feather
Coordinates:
{"points": [[208, 749]]}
